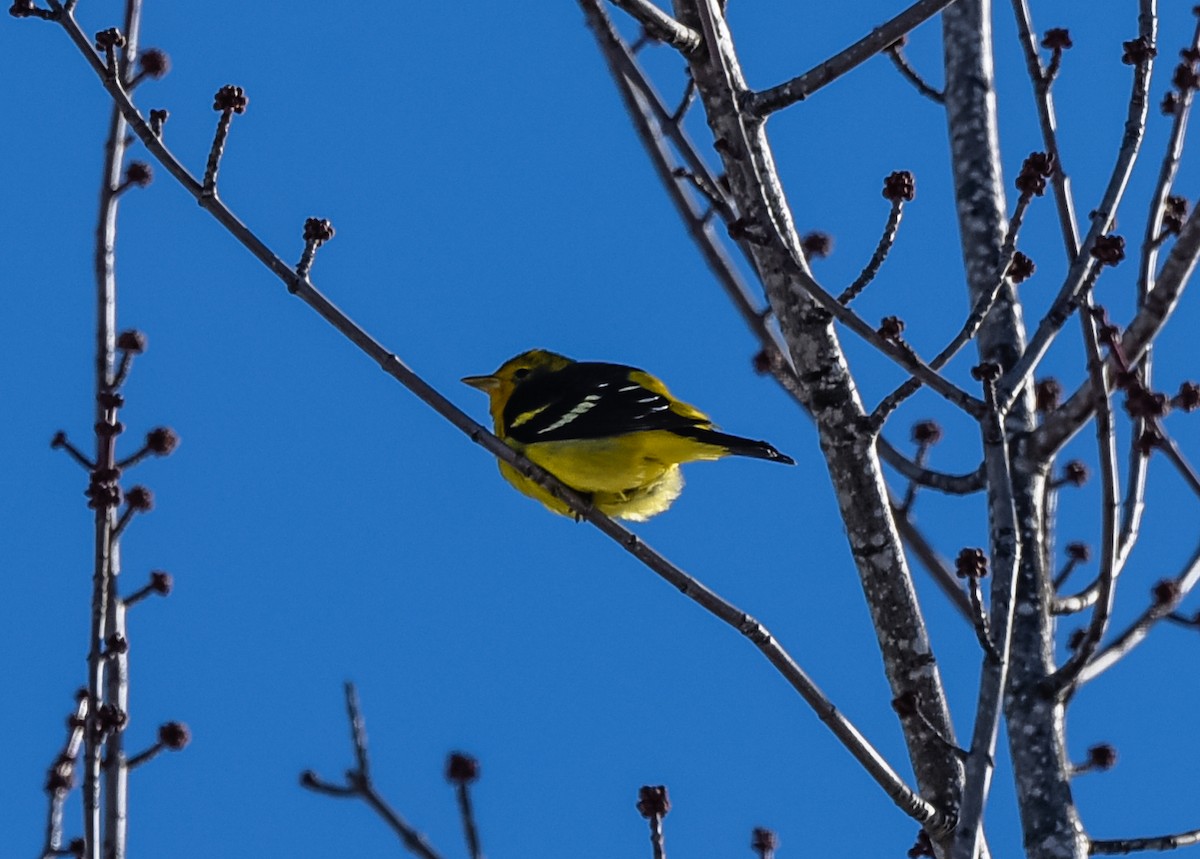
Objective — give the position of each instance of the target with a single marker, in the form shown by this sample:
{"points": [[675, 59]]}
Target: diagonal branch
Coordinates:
{"points": [[760, 104], [359, 784], [659, 25]]}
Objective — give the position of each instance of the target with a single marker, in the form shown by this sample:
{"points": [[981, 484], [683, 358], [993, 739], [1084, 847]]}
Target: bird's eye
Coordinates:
{"points": [[521, 373]]}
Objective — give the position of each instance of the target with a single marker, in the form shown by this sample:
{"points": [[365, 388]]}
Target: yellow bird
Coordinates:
{"points": [[611, 432]]}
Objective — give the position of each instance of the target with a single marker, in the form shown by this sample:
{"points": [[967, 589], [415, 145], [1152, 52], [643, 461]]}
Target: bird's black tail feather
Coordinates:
{"points": [[737, 445]]}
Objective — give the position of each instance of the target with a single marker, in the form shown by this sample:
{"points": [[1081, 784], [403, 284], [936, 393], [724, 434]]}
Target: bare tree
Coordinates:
{"points": [[735, 209]]}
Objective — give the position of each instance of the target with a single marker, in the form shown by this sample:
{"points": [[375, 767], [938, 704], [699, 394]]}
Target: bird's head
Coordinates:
{"points": [[512, 373]]}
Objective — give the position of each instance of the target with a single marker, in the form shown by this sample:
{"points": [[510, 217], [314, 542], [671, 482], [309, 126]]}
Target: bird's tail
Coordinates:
{"points": [[737, 445]]}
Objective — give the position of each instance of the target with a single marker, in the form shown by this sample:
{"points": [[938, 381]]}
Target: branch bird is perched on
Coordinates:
{"points": [[611, 432]]}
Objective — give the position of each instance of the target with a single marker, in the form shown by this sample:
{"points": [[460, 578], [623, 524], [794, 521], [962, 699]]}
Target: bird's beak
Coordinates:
{"points": [[482, 383]]}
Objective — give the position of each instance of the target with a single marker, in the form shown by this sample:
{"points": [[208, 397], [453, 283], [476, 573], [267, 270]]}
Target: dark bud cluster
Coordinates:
{"points": [[988, 371], [1102, 757], [461, 768], [653, 801], [763, 840], [111, 718], [318, 230], [139, 173], [1166, 593], [1035, 170], [1137, 51], [1075, 473], [110, 38], [1075, 641], [1188, 398], [1047, 394], [102, 492], [1079, 552], [1150, 438], [891, 328], [159, 117], [971, 563], [817, 245], [1140, 402], [926, 432], [1169, 104], [1174, 214], [900, 186], [763, 362], [161, 582], [1057, 39], [1186, 78], [61, 775], [140, 498], [116, 644], [110, 400], [174, 735], [161, 441], [154, 63], [132, 341], [1109, 250], [231, 98], [1021, 268]]}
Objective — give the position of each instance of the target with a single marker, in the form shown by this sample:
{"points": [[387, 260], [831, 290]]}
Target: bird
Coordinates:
{"points": [[611, 432]]}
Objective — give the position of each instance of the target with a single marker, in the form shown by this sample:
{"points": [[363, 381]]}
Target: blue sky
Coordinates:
{"points": [[321, 524]]}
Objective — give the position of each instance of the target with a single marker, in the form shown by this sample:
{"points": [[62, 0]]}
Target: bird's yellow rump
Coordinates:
{"points": [[611, 432]]}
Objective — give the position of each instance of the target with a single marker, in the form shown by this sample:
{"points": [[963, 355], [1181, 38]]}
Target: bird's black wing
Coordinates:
{"points": [[587, 400]]}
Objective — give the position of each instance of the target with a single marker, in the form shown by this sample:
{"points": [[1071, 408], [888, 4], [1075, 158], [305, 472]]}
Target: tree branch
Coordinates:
{"points": [[359, 785], [760, 104], [661, 26]]}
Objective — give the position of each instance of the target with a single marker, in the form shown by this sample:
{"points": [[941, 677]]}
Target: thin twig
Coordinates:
{"points": [[799, 88], [881, 251], [1169, 447], [1065, 679], [979, 312], [979, 618], [61, 442], [951, 484], [1044, 99], [60, 779], [661, 26], [911, 75], [1136, 632], [1006, 559], [1124, 846], [359, 785]]}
